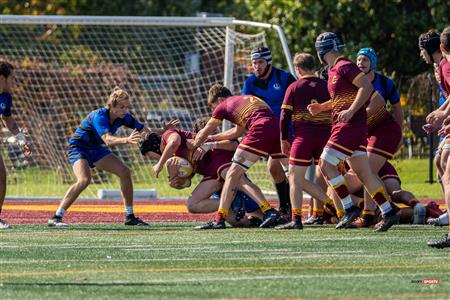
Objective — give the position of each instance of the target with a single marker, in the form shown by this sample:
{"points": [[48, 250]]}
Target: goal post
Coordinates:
{"points": [[67, 65]]}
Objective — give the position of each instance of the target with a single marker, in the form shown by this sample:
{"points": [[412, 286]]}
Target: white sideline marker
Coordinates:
{"points": [[116, 195]]}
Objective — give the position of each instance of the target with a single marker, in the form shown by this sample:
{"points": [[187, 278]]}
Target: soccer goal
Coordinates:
{"points": [[67, 66]]}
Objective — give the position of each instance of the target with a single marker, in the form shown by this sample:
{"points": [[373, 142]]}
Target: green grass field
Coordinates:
{"points": [[173, 261], [34, 182]]}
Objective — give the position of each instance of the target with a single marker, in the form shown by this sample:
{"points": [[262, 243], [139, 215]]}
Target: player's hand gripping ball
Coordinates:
{"points": [[184, 166]]}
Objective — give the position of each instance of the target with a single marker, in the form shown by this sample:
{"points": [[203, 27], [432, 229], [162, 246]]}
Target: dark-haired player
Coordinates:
{"points": [[349, 90], [262, 139], [7, 82], [270, 83]]}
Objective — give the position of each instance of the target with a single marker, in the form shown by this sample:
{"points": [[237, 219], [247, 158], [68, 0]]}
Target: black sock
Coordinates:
{"points": [[283, 194]]}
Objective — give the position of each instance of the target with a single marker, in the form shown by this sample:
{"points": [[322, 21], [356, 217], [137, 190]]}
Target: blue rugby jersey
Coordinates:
{"points": [[271, 90], [5, 104], [96, 124], [386, 88]]}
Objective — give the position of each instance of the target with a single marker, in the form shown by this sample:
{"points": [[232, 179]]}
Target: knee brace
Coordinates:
{"points": [[332, 156]]}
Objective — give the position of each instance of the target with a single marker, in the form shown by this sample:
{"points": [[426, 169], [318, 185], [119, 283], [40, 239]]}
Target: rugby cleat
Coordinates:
{"points": [[271, 218], [350, 215], [56, 222], [254, 221], [314, 220], [212, 225], [291, 225], [363, 222], [443, 242], [3, 225], [391, 218], [435, 222], [132, 220]]}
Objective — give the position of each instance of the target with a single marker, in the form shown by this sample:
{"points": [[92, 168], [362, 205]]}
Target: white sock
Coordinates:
{"points": [[443, 219], [347, 202], [60, 212], [385, 207], [129, 210]]}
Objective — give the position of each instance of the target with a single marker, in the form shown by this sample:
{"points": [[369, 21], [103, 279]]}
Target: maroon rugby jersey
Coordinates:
{"points": [[307, 90], [242, 110], [379, 117], [444, 75], [183, 150], [342, 90]]}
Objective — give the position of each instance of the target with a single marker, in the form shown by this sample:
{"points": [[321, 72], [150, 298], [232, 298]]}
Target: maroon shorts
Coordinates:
{"points": [[388, 171], [384, 139], [308, 144], [263, 138], [213, 163], [348, 137]]}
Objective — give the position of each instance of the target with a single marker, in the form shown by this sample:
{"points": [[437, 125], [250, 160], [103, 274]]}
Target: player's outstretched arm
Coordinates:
{"points": [[203, 134], [174, 123], [173, 143], [111, 140], [230, 134]]}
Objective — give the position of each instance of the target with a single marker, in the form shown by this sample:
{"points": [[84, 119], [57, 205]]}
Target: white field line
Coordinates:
{"points": [[292, 257]]}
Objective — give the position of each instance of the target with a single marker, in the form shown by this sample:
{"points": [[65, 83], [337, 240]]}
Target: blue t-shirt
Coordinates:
{"points": [[271, 90], [96, 124], [5, 104], [386, 88]]}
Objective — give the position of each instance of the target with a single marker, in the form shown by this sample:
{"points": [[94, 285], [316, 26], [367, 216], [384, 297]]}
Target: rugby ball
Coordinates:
{"points": [[185, 169]]}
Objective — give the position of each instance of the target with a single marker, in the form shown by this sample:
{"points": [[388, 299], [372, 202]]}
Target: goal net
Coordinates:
{"points": [[67, 67]]}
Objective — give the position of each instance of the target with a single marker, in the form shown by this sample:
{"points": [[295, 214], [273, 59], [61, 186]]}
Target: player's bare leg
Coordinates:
{"points": [[199, 202], [83, 177], [114, 165], [3, 174]]}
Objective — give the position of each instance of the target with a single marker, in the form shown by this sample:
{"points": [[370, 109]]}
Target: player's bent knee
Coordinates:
{"points": [[192, 206], [84, 182], [125, 172], [240, 161], [445, 179], [331, 157]]}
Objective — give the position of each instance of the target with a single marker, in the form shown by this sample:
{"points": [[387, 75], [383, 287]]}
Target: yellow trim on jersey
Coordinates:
{"points": [[379, 150], [342, 147], [309, 76], [300, 160], [216, 120], [286, 106], [357, 77], [336, 60], [254, 149]]}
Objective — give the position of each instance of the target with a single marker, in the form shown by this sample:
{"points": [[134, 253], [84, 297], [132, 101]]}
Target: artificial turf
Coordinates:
{"points": [[173, 261]]}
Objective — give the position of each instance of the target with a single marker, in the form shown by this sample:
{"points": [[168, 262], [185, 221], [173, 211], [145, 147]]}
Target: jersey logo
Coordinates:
{"points": [[334, 79], [314, 101], [312, 84], [3, 106], [277, 86]]}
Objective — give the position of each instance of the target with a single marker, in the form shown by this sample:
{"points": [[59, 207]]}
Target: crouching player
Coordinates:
{"points": [[211, 160], [262, 139], [89, 148], [311, 133]]}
